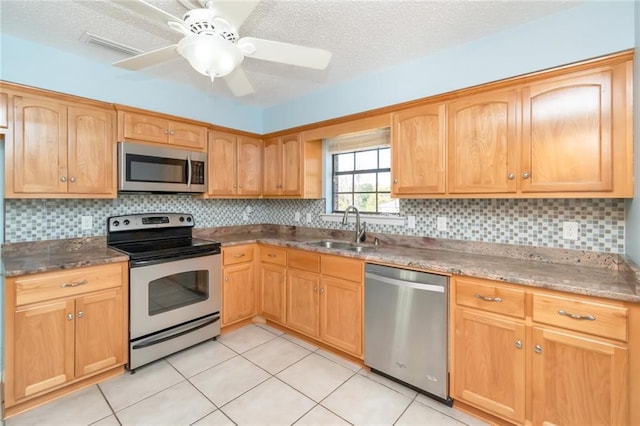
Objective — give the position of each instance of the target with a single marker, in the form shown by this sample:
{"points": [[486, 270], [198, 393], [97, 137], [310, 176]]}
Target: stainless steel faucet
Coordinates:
{"points": [[360, 230]]}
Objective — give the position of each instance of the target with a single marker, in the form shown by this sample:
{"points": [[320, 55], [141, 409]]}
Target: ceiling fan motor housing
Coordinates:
{"points": [[201, 21]]}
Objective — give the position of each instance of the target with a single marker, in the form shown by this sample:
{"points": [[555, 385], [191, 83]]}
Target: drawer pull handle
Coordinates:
{"points": [[238, 255], [271, 255], [74, 284], [576, 316], [488, 299]]}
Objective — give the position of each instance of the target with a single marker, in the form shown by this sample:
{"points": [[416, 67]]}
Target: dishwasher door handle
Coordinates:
{"points": [[408, 284]]}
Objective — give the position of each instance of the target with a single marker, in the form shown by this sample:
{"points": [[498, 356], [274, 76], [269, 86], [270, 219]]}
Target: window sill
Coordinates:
{"points": [[369, 218]]}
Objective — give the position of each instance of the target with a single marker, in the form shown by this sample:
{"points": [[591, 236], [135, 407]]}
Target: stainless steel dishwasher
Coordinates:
{"points": [[406, 326]]}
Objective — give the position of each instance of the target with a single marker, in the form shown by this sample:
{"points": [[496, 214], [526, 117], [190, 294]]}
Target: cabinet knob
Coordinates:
{"points": [[226, 279], [80, 314], [235, 186], [69, 317], [240, 186], [171, 132], [322, 290], [63, 178], [525, 175], [72, 179], [315, 288], [537, 349], [395, 181], [511, 176], [519, 344]]}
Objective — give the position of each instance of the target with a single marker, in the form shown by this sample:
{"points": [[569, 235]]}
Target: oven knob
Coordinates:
{"points": [[125, 222], [116, 223], [181, 219], [189, 219]]}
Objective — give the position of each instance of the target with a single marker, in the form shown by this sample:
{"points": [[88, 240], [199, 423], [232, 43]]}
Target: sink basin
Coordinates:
{"points": [[361, 249], [341, 245]]}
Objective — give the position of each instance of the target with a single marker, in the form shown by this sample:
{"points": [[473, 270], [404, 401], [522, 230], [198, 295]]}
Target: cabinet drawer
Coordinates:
{"points": [[305, 260], [342, 267], [53, 285], [596, 318], [488, 297], [237, 254], [275, 255]]}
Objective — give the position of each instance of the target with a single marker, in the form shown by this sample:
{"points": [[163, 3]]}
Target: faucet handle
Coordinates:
{"points": [[362, 232]]}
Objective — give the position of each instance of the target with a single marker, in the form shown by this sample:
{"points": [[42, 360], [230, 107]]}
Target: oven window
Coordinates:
{"points": [[178, 290], [142, 168]]}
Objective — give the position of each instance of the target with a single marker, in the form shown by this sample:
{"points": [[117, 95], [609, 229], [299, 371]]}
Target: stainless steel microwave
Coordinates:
{"points": [[148, 168]]}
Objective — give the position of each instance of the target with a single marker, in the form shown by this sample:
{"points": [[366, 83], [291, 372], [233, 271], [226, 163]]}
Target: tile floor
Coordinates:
{"points": [[255, 375]]}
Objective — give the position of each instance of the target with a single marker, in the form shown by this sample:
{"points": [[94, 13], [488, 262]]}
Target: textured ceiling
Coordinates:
{"points": [[364, 36]]}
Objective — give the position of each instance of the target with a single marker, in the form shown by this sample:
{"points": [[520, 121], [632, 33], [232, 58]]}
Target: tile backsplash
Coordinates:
{"points": [[529, 222]]}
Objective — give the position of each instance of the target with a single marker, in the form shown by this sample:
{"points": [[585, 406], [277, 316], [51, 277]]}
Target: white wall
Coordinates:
{"points": [[632, 235]]}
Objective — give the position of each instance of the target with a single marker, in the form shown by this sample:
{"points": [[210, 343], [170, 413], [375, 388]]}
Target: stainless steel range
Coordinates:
{"points": [[174, 283]]}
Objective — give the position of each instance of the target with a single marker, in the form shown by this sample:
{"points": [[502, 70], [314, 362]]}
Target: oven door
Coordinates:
{"points": [[171, 292]]}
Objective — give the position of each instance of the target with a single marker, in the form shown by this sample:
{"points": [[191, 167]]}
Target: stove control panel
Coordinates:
{"points": [[149, 221]]}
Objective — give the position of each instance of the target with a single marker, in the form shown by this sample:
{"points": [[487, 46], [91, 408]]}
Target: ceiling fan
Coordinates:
{"points": [[212, 45]]}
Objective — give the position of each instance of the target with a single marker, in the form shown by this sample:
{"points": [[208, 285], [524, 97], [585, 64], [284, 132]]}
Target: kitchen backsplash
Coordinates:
{"points": [[530, 222]]}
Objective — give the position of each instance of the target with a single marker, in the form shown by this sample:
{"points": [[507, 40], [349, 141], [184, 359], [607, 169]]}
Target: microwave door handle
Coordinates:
{"points": [[189, 171]]}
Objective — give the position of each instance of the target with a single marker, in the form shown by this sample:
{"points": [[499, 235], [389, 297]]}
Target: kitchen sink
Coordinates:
{"points": [[341, 245], [361, 249]]}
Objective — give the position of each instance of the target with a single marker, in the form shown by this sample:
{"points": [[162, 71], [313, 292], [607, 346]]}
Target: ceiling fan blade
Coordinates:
{"points": [[149, 10], [148, 59], [238, 83], [234, 11], [275, 51]]}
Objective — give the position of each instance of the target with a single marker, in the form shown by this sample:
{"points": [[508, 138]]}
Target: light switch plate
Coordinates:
{"points": [[296, 217], [570, 230], [308, 217], [441, 223], [86, 222], [411, 222]]}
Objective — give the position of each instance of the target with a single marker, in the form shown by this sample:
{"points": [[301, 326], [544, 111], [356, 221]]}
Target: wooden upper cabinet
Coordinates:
{"points": [[156, 128], [235, 165], [291, 165], [4, 110], [272, 164], [91, 151], [482, 140], [567, 142], [418, 151]]}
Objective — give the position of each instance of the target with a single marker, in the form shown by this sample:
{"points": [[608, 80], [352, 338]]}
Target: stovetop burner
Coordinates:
{"points": [[147, 236]]}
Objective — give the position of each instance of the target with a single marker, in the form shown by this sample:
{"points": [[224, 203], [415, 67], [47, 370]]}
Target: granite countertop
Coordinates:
{"points": [[589, 273]]}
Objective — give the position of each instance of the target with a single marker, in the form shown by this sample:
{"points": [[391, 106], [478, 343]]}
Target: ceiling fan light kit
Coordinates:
{"points": [[209, 55]]}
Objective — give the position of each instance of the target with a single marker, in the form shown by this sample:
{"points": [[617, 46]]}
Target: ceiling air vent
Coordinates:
{"points": [[89, 38]]}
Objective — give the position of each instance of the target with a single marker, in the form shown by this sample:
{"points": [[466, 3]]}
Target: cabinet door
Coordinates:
{"points": [[273, 292], [567, 135], [341, 314], [43, 347], [482, 140], [145, 128], [489, 363], [222, 164], [272, 166], [39, 146], [99, 331], [91, 150], [249, 166], [418, 151], [187, 135], [302, 301], [237, 293], [578, 380], [4, 110], [291, 165]]}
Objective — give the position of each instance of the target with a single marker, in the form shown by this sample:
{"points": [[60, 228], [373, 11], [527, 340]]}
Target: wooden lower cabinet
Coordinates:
{"points": [[490, 363], [238, 293], [303, 289], [578, 379], [341, 314], [63, 328], [273, 292]]}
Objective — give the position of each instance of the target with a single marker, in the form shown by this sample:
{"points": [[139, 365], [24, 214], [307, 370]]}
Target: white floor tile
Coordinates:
{"points": [[320, 416], [450, 411], [270, 403], [245, 338], [340, 360], [127, 389], [107, 421], [83, 407], [300, 342], [217, 418], [420, 415], [410, 393], [228, 380], [276, 355], [200, 357], [181, 404], [364, 402], [270, 329], [315, 376]]}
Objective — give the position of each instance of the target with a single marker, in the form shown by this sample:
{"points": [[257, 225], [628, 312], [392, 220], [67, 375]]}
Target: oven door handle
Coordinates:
{"points": [[170, 258], [148, 343]]}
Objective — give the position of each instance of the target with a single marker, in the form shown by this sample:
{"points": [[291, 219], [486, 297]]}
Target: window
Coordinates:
{"points": [[362, 178]]}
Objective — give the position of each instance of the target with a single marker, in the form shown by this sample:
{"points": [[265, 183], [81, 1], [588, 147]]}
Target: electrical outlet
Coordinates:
{"points": [[308, 217], [570, 231], [441, 223], [245, 217], [86, 222], [411, 222], [296, 216]]}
